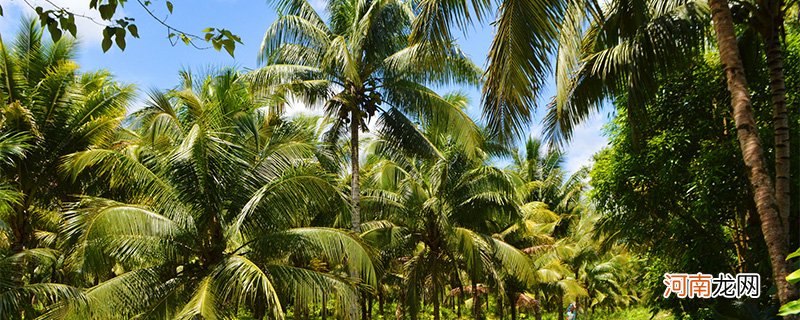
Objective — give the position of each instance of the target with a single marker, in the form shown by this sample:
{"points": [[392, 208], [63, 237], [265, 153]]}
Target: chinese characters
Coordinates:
{"points": [[706, 286]]}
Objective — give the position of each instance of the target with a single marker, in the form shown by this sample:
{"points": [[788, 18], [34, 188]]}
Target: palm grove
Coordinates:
{"points": [[209, 203]]}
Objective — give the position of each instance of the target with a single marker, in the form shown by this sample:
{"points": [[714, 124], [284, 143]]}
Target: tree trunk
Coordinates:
{"points": [[777, 87], [476, 302], [459, 300], [364, 303], [752, 152], [355, 187], [560, 306], [324, 311], [436, 313], [513, 305], [381, 301]]}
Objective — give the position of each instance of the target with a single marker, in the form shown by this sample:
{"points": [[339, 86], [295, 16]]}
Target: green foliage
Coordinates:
{"points": [[59, 20], [682, 199]]}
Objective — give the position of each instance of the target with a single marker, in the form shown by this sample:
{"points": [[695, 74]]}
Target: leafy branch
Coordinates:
{"points": [[59, 20]]}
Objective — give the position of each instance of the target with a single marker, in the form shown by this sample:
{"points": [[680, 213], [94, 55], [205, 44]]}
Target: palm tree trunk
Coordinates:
{"points": [[364, 309], [476, 302], [324, 311], [436, 313], [560, 305], [777, 86], [381, 301], [752, 152], [513, 305], [355, 187], [460, 301]]}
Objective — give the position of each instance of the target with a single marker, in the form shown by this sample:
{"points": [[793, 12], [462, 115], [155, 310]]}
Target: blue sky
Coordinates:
{"points": [[152, 62]]}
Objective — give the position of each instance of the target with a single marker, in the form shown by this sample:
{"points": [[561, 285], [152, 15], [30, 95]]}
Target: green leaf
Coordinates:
{"points": [[106, 43], [230, 46], [1, 10], [793, 255], [55, 32], [793, 277], [120, 37], [134, 30], [206, 30], [106, 11], [169, 6], [793, 307]]}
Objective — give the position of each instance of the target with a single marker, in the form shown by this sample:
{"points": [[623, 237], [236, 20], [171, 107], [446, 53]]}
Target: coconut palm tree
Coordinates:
{"points": [[203, 211], [61, 111], [49, 110], [357, 64], [752, 151], [435, 209]]}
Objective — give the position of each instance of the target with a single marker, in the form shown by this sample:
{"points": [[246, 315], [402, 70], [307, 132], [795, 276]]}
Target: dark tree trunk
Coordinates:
{"points": [[364, 303], [460, 301], [436, 302], [513, 305], [476, 302], [381, 301], [560, 306], [752, 151], [324, 311]]}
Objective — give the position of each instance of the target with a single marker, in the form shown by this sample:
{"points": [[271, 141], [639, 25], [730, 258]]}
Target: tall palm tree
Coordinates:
{"points": [[358, 63], [204, 210], [752, 151], [765, 20], [435, 208]]}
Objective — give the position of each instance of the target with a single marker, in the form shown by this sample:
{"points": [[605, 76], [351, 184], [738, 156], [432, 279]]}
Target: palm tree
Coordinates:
{"points": [[49, 110], [358, 63], [204, 210], [764, 20], [752, 152], [435, 209], [61, 111]]}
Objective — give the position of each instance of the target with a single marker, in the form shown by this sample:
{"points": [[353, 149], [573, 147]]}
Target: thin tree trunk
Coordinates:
{"points": [[777, 87], [371, 304], [560, 306], [381, 301], [436, 313], [513, 305], [752, 152], [355, 187], [364, 303], [476, 302], [460, 301], [324, 311]]}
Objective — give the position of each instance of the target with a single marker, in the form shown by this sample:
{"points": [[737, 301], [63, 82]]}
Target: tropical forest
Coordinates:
{"points": [[400, 159]]}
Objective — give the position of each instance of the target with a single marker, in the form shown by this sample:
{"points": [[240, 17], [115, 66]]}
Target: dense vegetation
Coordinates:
{"points": [[207, 202]]}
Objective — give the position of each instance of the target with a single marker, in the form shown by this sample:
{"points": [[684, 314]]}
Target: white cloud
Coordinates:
{"points": [[90, 28]]}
